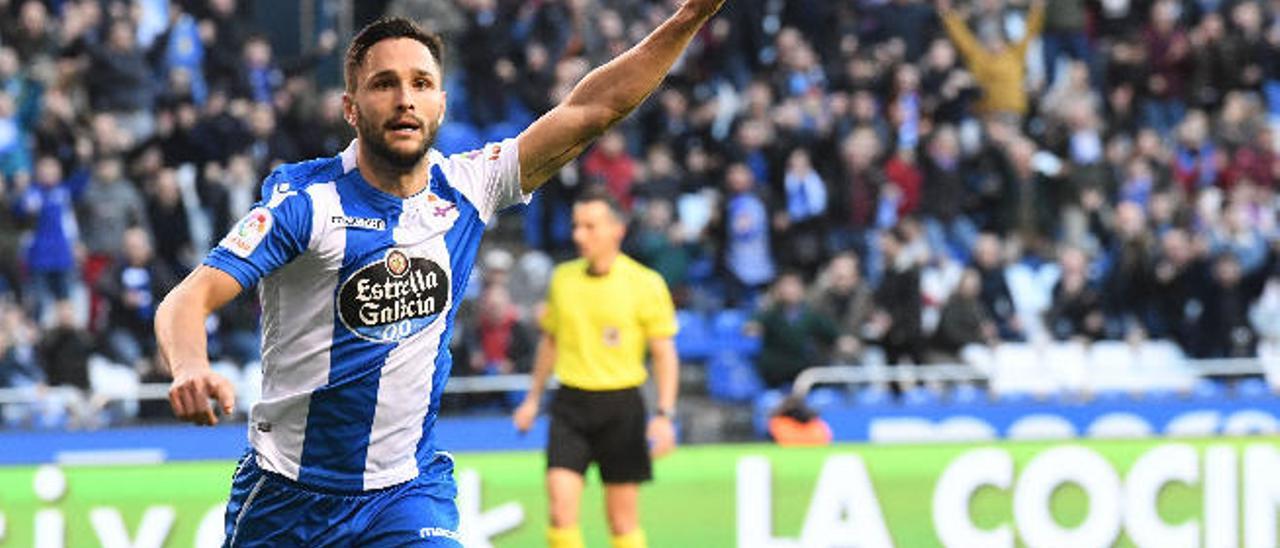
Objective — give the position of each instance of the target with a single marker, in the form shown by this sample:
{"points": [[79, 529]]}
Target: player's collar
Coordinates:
{"points": [[348, 157]]}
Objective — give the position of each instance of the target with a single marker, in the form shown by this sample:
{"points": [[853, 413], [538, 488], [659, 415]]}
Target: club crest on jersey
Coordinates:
{"points": [[393, 298], [397, 263], [248, 234]]}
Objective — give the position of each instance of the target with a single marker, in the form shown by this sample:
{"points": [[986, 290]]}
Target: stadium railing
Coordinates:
{"points": [[160, 391], [1184, 377], [1046, 371]]}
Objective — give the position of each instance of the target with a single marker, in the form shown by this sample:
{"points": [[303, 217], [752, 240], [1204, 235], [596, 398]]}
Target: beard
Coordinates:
{"points": [[374, 135]]}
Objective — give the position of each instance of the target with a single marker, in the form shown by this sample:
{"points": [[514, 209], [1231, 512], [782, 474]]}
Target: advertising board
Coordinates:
{"points": [[1176, 492]]}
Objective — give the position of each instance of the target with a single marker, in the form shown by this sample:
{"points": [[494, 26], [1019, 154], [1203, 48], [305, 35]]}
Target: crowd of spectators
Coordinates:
{"points": [[132, 134], [901, 175]]}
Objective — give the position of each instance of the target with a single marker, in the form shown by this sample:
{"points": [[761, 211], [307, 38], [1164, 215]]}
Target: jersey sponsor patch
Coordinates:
{"points": [[248, 234], [389, 300], [358, 222]]}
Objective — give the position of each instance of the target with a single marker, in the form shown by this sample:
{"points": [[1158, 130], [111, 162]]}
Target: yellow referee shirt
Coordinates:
{"points": [[602, 324]]}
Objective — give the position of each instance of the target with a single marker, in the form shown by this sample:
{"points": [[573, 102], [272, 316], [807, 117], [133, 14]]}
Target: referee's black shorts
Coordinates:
{"points": [[606, 427]]}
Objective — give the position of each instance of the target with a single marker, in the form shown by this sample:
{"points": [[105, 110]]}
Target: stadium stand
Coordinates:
{"points": [[1119, 225]]}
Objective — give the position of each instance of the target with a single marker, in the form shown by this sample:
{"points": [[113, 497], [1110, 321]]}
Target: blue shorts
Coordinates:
{"points": [[267, 509]]}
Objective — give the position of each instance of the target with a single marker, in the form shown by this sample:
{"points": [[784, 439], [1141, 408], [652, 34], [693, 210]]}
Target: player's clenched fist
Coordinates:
{"points": [[190, 393]]}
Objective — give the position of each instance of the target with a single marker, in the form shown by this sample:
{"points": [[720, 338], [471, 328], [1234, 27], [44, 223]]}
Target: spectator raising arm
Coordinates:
{"points": [[953, 22], [1035, 23]]}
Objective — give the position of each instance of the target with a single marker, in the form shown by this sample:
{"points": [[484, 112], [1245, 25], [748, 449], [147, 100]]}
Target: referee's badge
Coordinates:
{"points": [[612, 336]]}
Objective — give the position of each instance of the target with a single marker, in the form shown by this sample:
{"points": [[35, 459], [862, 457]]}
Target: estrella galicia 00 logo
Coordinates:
{"points": [[391, 299]]}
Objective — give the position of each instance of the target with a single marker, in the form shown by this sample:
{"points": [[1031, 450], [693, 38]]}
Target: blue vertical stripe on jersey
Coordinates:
{"points": [[340, 418], [462, 240]]}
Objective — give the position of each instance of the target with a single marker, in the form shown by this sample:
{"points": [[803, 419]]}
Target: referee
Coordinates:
{"points": [[603, 310]]}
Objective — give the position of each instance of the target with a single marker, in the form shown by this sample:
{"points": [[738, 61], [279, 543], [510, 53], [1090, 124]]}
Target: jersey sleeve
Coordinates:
{"points": [[657, 312], [276, 231], [488, 177]]}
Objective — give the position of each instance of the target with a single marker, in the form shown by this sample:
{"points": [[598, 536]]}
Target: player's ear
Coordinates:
{"points": [[619, 228], [349, 111], [444, 106]]}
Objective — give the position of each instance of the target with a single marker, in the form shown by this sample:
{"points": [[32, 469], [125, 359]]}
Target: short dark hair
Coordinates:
{"points": [[387, 28], [599, 194]]}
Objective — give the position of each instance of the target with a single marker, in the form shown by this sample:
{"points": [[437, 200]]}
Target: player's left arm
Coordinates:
{"points": [[666, 377], [607, 95]]}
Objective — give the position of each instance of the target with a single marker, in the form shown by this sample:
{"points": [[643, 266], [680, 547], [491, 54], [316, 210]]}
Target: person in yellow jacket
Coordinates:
{"points": [[604, 310], [999, 67]]}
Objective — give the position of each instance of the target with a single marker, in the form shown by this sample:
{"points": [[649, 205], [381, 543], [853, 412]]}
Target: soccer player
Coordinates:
{"points": [[603, 311], [360, 261]]}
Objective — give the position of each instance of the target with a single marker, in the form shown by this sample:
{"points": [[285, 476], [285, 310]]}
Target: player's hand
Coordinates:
{"points": [[662, 436], [705, 8], [190, 393], [524, 415]]}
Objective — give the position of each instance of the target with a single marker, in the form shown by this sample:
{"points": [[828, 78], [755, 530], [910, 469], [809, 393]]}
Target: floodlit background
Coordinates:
{"points": [[1019, 261]]}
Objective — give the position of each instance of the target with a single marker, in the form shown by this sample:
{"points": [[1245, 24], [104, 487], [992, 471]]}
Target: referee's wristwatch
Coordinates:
{"points": [[665, 413]]}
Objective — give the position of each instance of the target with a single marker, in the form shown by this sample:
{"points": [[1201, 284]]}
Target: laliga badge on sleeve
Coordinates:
{"points": [[249, 232]]}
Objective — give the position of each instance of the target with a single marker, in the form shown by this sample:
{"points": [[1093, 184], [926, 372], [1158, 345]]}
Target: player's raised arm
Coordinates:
{"points": [[180, 335], [607, 95]]}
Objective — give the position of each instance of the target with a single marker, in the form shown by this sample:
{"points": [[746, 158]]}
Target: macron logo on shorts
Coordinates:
{"points": [[432, 532]]}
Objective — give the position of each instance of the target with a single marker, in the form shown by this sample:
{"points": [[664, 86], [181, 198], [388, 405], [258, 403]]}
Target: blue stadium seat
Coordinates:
{"points": [[968, 394], [821, 399], [1252, 388], [515, 397], [1159, 394], [873, 396], [762, 409], [732, 378], [502, 130], [1111, 396], [1016, 397], [919, 396], [455, 137], [1207, 389], [693, 341], [459, 100], [518, 115], [727, 330], [702, 269]]}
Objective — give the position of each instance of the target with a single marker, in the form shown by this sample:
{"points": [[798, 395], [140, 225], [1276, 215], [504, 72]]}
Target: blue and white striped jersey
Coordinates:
{"points": [[359, 289]]}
